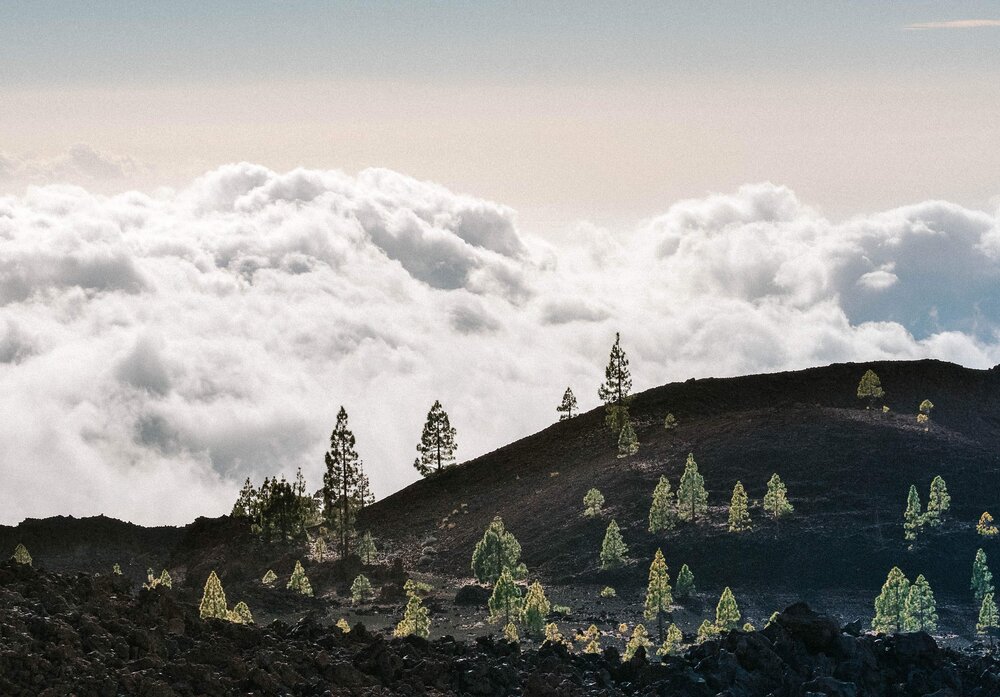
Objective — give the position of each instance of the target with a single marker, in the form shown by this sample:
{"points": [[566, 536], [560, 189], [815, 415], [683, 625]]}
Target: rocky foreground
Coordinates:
{"points": [[64, 634]]}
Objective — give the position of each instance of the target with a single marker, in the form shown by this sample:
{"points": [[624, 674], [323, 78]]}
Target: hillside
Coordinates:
{"points": [[847, 470]]}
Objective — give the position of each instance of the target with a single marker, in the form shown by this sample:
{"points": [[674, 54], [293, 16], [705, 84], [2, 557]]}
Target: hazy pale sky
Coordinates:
{"points": [[564, 111]]}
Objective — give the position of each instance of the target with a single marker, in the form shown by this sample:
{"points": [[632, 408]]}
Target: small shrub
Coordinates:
{"points": [[669, 422], [343, 626], [269, 578], [592, 503], [299, 582], [985, 526], [608, 592], [116, 570], [21, 555], [510, 633], [361, 589]]}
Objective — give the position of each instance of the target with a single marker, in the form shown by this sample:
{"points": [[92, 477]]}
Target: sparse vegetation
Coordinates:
{"points": [[615, 391], [613, 549], [628, 444], [692, 498], [510, 633], [343, 626], [985, 526], [437, 442], [672, 643], [669, 422], [776, 499], [707, 630], [116, 570], [269, 578], [299, 582], [590, 640], [567, 406], [593, 501], [241, 614], [739, 515], [608, 592], [498, 550]]}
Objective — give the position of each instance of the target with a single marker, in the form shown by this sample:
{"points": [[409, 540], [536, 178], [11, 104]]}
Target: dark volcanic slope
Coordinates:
{"points": [[847, 470]]}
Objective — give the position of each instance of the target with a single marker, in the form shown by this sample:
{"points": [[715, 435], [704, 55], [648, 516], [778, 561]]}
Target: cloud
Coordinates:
{"points": [[80, 164], [165, 347], [955, 24]]}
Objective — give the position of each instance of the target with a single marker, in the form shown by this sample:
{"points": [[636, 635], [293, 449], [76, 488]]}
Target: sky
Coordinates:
{"points": [[221, 221]]}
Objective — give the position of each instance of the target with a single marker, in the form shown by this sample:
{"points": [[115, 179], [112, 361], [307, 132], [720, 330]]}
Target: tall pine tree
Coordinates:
{"points": [[685, 582], [692, 498], [437, 442], [890, 605], [505, 603], [340, 483], [989, 620], [727, 612], [616, 388], [613, 549], [938, 502], [982, 579], [534, 610], [739, 516], [658, 593], [498, 550], [567, 406], [912, 517], [213, 600], [870, 388], [662, 513], [920, 612]]}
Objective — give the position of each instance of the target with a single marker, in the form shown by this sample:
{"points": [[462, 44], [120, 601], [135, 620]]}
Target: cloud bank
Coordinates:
{"points": [[955, 24], [155, 350]]}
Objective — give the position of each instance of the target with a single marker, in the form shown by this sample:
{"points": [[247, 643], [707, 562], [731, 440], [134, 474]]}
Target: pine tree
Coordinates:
{"points": [[692, 498], [912, 517], [628, 444], [361, 589], [727, 612], [985, 526], [437, 442], [613, 549], [672, 643], [591, 640], [340, 483], [498, 550], [615, 390], [554, 636], [739, 516], [364, 495], [319, 549], [640, 637], [685, 582], [534, 610], [242, 611], [165, 579], [920, 613], [568, 405], [658, 594], [989, 620], [299, 582], [982, 579], [510, 633], [662, 515], [776, 498], [707, 630], [505, 603], [416, 618], [366, 548], [21, 555], [890, 605], [938, 502], [669, 422], [269, 578], [213, 600], [592, 503], [245, 502], [870, 388], [116, 569]]}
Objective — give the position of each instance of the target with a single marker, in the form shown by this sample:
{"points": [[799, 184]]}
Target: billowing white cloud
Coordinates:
{"points": [[157, 349]]}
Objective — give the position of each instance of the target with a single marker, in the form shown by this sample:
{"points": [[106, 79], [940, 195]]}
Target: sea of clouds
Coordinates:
{"points": [[157, 349]]}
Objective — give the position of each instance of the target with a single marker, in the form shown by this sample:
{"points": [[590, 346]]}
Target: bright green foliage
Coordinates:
{"points": [[989, 620], [727, 612], [568, 405], [553, 635], [662, 515], [505, 603], [534, 610], [510, 633], [707, 630], [591, 640], [669, 422], [608, 592], [748, 626], [671, 645], [242, 610], [890, 605], [213, 600], [498, 550], [416, 618], [269, 578], [739, 516], [592, 503], [685, 582], [692, 498], [659, 597], [870, 388], [628, 444], [341, 482], [437, 442], [982, 579], [926, 406], [920, 613], [165, 579], [366, 548], [361, 589], [640, 637], [938, 502], [299, 582], [912, 518], [343, 626], [613, 550], [615, 390], [21, 555], [151, 581], [116, 569], [776, 498], [985, 526], [772, 619]]}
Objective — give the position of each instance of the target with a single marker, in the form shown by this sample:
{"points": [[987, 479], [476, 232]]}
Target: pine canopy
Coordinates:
{"points": [[658, 593], [567, 406], [613, 549], [614, 392], [727, 612], [692, 498], [982, 578], [890, 605], [870, 388], [498, 550], [341, 481], [662, 515], [437, 442], [739, 515], [299, 582], [213, 600]]}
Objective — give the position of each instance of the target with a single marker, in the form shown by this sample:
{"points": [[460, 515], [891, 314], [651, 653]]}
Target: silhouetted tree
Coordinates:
{"points": [[340, 483], [437, 442], [567, 406], [616, 388]]}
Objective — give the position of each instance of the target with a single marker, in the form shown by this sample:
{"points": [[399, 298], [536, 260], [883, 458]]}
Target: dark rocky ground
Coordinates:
{"points": [[80, 634]]}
